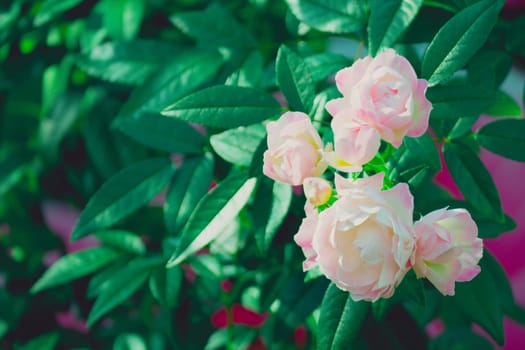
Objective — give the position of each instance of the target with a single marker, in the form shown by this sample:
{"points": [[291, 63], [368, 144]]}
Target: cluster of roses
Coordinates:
{"points": [[361, 237]]}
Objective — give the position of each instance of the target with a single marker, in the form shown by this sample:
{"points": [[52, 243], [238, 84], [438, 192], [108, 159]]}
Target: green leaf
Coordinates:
{"points": [[128, 62], [459, 99], [122, 18], [505, 106], [123, 240], [75, 265], [122, 194], [223, 30], [271, 204], [225, 107], [460, 339], [213, 214], [458, 40], [333, 16], [504, 137], [237, 146], [340, 319], [415, 160], [295, 80], [322, 65], [47, 341], [12, 170], [165, 285], [473, 179], [186, 72], [121, 286], [52, 8], [388, 20], [129, 341], [249, 73], [477, 299], [163, 133], [189, 184], [488, 228]]}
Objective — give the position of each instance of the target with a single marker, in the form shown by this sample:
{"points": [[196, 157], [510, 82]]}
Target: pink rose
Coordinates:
{"points": [[447, 248], [385, 94], [294, 149], [305, 235], [317, 190], [364, 241], [354, 145]]}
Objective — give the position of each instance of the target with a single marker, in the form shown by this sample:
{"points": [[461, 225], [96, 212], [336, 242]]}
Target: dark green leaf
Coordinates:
{"points": [[415, 160], [477, 299], [184, 74], [340, 319], [295, 80], [322, 65], [460, 339], [237, 146], [271, 204], [388, 20], [459, 99], [190, 183], [12, 170], [458, 40], [122, 18], [126, 62], [163, 133], [473, 179], [492, 228], [213, 214], [165, 285], [225, 107], [223, 30], [122, 194], [121, 286], [73, 266], [504, 137], [333, 16], [461, 127], [123, 240]]}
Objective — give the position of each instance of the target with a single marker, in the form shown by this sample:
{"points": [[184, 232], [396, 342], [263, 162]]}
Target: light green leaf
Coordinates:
{"points": [[75, 265], [123, 240], [249, 73], [340, 320], [458, 40], [163, 133], [333, 16], [473, 179], [237, 146], [295, 80], [388, 20], [12, 170], [189, 184], [223, 30], [322, 65], [504, 137], [165, 285], [52, 8], [129, 341], [186, 72], [271, 204], [122, 18], [122, 194], [477, 299], [121, 286], [505, 106], [47, 341], [225, 107], [128, 62], [213, 214]]}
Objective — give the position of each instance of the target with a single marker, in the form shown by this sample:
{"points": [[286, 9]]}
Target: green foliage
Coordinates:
{"points": [[98, 101], [340, 320]]}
